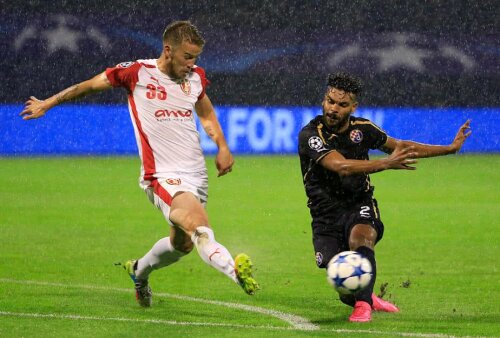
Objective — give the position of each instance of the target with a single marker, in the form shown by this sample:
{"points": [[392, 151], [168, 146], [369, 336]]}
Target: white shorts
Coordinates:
{"points": [[161, 191]]}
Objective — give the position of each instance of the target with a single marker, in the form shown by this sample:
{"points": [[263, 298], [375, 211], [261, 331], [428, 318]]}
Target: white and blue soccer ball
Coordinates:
{"points": [[349, 272]]}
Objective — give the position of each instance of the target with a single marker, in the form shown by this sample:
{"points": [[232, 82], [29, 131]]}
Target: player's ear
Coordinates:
{"points": [[354, 106], [167, 49]]}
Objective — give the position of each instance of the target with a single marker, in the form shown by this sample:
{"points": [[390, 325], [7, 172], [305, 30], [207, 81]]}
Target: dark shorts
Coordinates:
{"points": [[331, 230]]}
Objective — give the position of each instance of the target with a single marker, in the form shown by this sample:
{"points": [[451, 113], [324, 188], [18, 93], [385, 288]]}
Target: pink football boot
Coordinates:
{"points": [[362, 312], [381, 305]]}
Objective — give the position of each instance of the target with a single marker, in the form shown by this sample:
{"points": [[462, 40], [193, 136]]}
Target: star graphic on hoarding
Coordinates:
{"points": [[401, 56], [62, 37], [456, 54], [27, 33], [347, 52]]}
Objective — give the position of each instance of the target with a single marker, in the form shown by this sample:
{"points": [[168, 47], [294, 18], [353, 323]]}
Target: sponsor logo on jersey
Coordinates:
{"points": [[186, 86], [319, 258], [315, 143], [356, 136], [125, 64], [164, 113], [173, 181]]}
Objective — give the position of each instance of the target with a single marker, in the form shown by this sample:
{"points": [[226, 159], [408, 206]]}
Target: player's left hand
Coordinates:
{"points": [[33, 109], [224, 161], [463, 133]]}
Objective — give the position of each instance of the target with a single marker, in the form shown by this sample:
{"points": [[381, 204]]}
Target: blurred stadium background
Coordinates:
{"points": [[426, 66]]}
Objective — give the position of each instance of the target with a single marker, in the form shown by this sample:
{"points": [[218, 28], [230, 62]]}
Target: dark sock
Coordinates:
{"points": [[365, 295], [347, 299]]}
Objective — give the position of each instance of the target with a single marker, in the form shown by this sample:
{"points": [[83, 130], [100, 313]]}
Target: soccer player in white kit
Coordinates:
{"points": [[163, 95]]}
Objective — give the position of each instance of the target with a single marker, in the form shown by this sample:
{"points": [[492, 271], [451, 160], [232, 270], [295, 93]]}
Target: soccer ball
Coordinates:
{"points": [[349, 272]]}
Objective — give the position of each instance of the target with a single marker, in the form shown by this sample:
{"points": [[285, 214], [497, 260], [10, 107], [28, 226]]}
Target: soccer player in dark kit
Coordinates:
{"points": [[333, 150]]}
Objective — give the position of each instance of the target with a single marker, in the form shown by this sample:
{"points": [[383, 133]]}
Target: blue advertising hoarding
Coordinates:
{"points": [[107, 130]]}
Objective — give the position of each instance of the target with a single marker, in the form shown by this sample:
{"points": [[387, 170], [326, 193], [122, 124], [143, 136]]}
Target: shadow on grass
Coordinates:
{"points": [[337, 319]]}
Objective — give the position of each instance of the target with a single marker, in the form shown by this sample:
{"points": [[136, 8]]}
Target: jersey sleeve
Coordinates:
{"points": [[312, 145], [204, 81], [378, 137], [124, 74]]}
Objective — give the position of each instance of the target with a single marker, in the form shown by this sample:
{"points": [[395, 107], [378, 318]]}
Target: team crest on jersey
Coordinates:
{"points": [[319, 258], [173, 181], [186, 87], [356, 136], [125, 64], [315, 143]]}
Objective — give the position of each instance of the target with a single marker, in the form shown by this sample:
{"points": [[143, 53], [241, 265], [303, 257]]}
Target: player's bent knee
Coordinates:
{"points": [[186, 220], [362, 235], [181, 241], [184, 247]]}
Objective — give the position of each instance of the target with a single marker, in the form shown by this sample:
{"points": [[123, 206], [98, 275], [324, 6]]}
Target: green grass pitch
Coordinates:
{"points": [[64, 222]]}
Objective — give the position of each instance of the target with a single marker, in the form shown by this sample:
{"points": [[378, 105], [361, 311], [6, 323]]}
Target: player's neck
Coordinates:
{"points": [[341, 129], [164, 67]]}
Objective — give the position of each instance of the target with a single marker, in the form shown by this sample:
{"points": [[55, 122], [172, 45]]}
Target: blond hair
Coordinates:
{"points": [[179, 31]]}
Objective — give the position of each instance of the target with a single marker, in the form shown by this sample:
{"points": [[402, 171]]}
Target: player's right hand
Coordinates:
{"points": [[33, 109], [402, 157], [462, 134], [224, 161]]}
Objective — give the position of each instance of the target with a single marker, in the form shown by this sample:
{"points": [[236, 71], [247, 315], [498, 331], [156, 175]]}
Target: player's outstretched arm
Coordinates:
{"points": [[224, 160], [430, 150], [401, 158], [35, 108]]}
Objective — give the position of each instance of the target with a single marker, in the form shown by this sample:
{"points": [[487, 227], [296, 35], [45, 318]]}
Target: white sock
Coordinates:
{"points": [[213, 253], [160, 255]]}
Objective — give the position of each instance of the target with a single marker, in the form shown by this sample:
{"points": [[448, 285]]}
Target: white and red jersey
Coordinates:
{"points": [[162, 112]]}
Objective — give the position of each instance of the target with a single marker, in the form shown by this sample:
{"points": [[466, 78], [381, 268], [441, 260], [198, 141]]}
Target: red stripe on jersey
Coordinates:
{"points": [[204, 81], [148, 66], [161, 192], [148, 160], [126, 77]]}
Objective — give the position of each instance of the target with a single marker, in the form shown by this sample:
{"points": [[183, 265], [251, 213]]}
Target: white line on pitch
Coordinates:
{"points": [[297, 322], [237, 326], [135, 320]]}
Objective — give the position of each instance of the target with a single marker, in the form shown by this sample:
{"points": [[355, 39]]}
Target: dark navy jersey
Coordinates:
{"points": [[325, 189]]}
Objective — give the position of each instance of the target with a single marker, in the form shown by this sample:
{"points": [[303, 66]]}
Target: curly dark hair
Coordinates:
{"points": [[346, 82]]}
